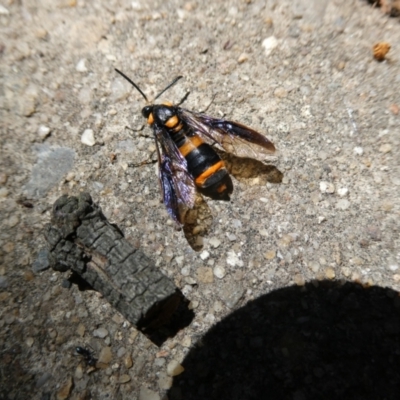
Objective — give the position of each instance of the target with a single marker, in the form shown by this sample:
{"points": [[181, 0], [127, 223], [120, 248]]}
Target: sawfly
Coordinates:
{"points": [[186, 159]]}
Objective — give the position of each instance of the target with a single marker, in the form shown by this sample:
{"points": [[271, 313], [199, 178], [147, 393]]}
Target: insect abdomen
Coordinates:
{"points": [[206, 167]]}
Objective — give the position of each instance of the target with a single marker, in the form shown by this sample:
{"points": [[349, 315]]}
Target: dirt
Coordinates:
{"points": [[294, 282]]}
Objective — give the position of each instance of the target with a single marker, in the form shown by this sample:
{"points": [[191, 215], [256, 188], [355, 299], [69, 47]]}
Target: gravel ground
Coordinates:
{"points": [[294, 282]]}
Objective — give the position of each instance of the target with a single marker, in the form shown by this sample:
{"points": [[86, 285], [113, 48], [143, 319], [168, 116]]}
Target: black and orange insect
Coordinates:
{"points": [[187, 160]]}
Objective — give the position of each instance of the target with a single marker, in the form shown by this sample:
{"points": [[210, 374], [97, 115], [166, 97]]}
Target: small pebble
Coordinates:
{"points": [[147, 394], [65, 390], [81, 67], [100, 333], [105, 355], [124, 378], [185, 271], [204, 255], [9, 247], [219, 271], [88, 137], [13, 221], [326, 187], [3, 10], [343, 192], [269, 44], [43, 132], [45, 377], [3, 193], [174, 368], [343, 204], [299, 280], [215, 242], [270, 255], [358, 150], [385, 148], [128, 362], [205, 275], [120, 90], [29, 341], [280, 92], [80, 330], [3, 178], [233, 259], [387, 205], [121, 351], [314, 266], [231, 236], [330, 273], [42, 261], [79, 372], [186, 342], [164, 381], [285, 241], [242, 58]]}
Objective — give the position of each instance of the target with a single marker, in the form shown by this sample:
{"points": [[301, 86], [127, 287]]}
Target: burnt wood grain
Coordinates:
{"points": [[81, 240]]}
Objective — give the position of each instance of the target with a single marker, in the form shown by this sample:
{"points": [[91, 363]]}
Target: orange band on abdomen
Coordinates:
{"points": [[190, 144], [208, 172]]}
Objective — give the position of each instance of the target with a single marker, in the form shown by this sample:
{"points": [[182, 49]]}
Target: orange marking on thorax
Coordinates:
{"points": [[171, 122], [150, 119], [191, 143], [210, 171]]}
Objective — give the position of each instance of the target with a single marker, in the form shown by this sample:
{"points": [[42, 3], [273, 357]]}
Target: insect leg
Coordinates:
{"points": [[212, 101]]}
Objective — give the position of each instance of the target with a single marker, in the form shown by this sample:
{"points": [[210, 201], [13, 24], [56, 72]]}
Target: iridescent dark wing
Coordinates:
{"points": [[177, 185], [233, 137]]}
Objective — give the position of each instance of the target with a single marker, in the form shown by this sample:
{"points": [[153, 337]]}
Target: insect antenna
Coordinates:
{"points": [[134, 84], [171, 84]]}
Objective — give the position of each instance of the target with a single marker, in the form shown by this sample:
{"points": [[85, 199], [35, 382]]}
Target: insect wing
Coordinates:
{"points": [[178, 189], [177, 185], [233, 137]]}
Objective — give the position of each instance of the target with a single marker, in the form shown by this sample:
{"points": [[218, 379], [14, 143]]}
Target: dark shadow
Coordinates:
{"points": [[166, 318], [326, 340], [248, 168], [198, 222], [76, 279]]}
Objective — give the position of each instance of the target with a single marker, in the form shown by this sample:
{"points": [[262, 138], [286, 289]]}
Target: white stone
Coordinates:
{"points": [[269, 44], [343, 192], [88, 137], [219, 271], [326, 187], [43, 131], [233, 259], [204, 255], [3, 10], [100, 333], [147, 394], [343, 204], [215, 242], [174, 368], [185, 271], [358, 150], [81, 67]]}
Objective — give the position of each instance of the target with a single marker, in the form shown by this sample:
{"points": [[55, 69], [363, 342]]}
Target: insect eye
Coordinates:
{"points": [[146, 111]]}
